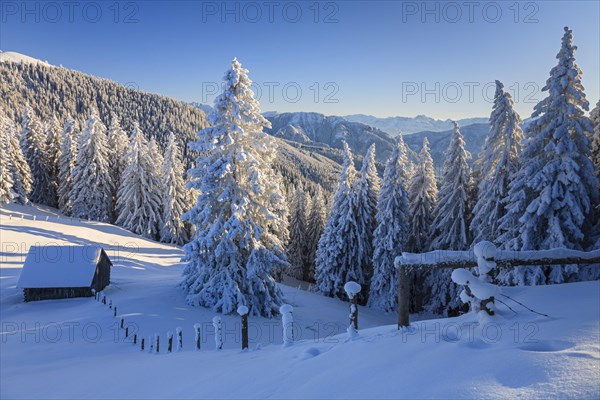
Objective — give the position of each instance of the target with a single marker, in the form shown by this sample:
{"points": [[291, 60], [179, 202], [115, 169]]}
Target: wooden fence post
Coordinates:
{"points": [[115, 311], [135, 338], [197, 331], [169, 341], [126, 331], [352, 289], [142, 342], [122, 322], [218, 332], [243, 312], [287, 320], [403, 295], [157, 344]]}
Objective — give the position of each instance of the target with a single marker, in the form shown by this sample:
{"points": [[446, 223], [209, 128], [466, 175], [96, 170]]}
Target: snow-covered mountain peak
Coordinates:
{"points": [[13, 56]]}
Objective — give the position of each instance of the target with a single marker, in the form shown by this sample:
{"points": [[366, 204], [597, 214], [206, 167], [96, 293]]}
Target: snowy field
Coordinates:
{"points": [[74, 348]]}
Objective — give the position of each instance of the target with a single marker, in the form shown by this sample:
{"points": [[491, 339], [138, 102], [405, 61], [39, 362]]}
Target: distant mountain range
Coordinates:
{"points": [[318, 129], [408, 125]]}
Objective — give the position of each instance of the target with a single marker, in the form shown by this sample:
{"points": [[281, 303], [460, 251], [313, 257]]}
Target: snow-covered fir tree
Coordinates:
{"points": [[564, 188], [138, 198], [450, 226], [6, 180], [174, 197], [450, 231], [338, 247], [241, 214], [33, 144], [53, 149], [422, 200], [366, 190], [17, 164], [118, 144], [92, 184], [66, 166], [595, 118], [555, 189], [391, 234], [314, 229], [498, 161], [297, 244], [155, 154]]}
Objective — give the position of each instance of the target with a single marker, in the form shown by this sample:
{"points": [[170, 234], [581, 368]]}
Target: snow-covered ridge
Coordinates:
{"points": [[13, 56], [408, 125]]}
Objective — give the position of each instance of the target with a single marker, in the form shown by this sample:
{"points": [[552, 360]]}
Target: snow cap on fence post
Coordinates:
{"points": [[216, 321], [478, 291], [352, 289], [243, 311], [287, 320], [179, 334]]}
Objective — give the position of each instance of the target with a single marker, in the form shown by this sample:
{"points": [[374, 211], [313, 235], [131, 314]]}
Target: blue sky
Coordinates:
{"points": [[381, 58]]}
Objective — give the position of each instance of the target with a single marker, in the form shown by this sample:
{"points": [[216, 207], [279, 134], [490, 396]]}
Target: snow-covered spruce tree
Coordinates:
{"points": [[138, 197], [66, 166], [499, 161], [391, 234], [422, 200], [314, 230], [20, 172], [174, 195], [6, 180], [338, 251], [118, 144], [33, 144], [595, 118], [296, 247], [241, 214], [156, 156], [557, 176], [53, 149], [366, 190], [92, 184], [564, 188], [449, 227], [450, 231]]}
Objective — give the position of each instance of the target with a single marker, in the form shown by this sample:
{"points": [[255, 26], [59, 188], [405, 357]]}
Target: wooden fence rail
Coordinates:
{"points": [[467, 259]]}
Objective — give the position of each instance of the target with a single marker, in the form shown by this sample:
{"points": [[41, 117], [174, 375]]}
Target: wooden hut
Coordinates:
{"points": [[59, 272]]}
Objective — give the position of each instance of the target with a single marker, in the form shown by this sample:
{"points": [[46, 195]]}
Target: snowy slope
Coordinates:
{"points": [[522, 355], [13, 56]]}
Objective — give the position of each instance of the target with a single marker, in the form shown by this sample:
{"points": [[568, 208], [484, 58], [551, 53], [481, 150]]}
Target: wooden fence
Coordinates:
{"points": [[467, 259]]}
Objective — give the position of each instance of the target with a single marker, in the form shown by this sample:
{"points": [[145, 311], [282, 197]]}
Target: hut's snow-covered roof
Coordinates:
{"points": [[59, 267]]}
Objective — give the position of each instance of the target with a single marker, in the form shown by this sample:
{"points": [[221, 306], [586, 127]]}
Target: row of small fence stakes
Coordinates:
{"points": [[153, 345]]}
